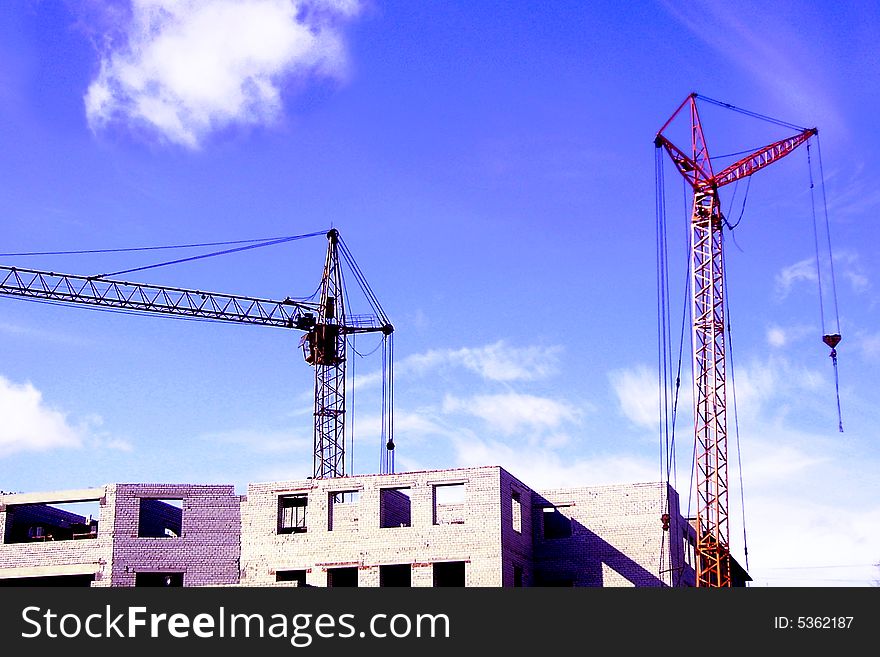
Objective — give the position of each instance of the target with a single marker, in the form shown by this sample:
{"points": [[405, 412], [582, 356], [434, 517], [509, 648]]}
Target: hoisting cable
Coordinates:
{"points": [[835, 338], [685, 314], [388, 341], [688, 314], [667, 388], [742, 501], [386, 448], [830, 339], [387, 432], [349, 340], [351, 415], [662, 283]]}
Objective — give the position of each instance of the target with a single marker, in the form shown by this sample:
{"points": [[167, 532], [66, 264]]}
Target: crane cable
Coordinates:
{"points": [[667, 389], [830, 339], [386, 464], [158, 248], [662, 349], [754, 115], [742, 501], [258, 245]]}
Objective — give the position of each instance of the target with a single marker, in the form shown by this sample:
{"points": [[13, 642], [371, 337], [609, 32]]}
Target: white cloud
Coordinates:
{"points": [[842, 542], [767, 387], [498, 363], [510, 412], [776, 336], [786, 336], [637, 392], [779, 460], [28, 424], [847, 267], [184, 68], [804, 270], [495, 362], [777, 50], [263, 441], [544, 468], [870, 345], [850, 266]]}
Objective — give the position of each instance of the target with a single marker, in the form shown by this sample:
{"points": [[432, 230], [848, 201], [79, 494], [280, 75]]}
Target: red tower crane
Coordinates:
{"points": [[326, 324], [707, 337]]}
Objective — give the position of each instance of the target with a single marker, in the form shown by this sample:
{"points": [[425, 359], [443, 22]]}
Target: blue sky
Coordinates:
{"points": [[491, 167]]}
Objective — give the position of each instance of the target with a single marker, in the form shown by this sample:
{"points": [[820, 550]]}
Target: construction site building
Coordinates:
{"points": [[478, 527]]}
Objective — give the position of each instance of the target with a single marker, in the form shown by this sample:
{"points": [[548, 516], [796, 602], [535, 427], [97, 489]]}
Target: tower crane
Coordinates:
{"points": [[326, 326], [707, 338]]}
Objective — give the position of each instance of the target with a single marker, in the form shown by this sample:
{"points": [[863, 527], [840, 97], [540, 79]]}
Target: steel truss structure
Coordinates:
{"points": [[325, 324], [707, 337]]}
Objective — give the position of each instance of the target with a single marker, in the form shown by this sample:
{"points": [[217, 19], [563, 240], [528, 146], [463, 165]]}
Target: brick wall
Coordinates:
{"points": [[56, 557], [517, 546], [366, 545], [616, 537], [207, 550]]}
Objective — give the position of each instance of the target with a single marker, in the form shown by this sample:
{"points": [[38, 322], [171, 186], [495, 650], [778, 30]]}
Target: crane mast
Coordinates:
{"points": [[325, 346], [706, 248], [325, 324]]}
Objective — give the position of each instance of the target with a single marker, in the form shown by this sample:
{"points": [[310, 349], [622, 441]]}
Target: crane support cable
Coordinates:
{"points": [[830, 339], [754, 115], [280, 240], [133, 249], [742, 500], [386, 458], [362, 282]]}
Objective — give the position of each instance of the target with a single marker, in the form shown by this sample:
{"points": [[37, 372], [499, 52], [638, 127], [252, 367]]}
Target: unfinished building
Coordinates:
{"points": [[459, 527]]}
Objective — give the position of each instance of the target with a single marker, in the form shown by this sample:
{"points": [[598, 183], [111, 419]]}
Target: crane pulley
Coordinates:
{"points": [[326, 326]]}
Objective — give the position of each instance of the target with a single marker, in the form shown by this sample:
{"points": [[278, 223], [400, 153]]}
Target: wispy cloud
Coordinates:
{"points": [[260, 440], [783, 336], [776, 51], [479, 393], [803, 270], [495, 362], [508, 413], [776, 336], [546, 468], [638, 395], [869, 345], [848, 267], [183, 69], [40, 334], [498, 362]]}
